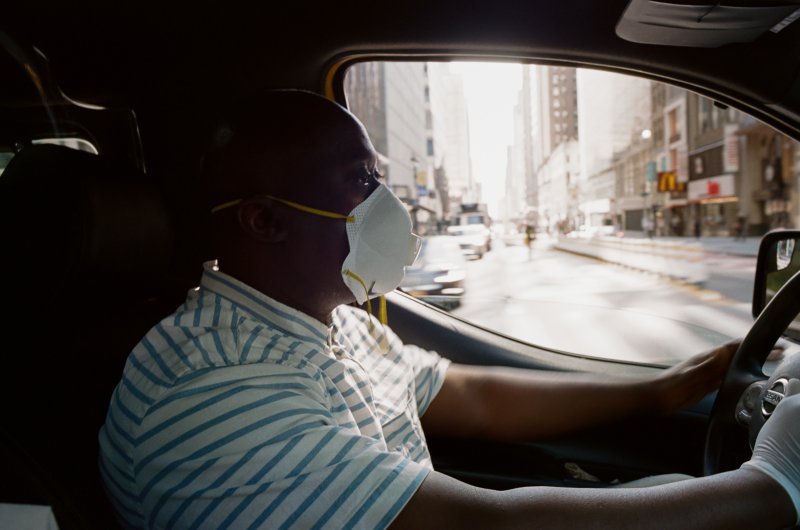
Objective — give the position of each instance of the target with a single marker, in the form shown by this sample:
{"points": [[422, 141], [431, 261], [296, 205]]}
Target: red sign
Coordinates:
{"points": [[712, 187]]}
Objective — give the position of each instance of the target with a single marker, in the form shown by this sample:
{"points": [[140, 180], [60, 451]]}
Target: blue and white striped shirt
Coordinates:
{"points": [[240, 412]]}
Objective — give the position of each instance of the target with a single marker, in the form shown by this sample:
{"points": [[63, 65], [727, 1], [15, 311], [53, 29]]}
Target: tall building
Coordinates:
{"points": [[713, 176], [365, 90], [559, 188], [521, 198], [390, 99], [672, 162], [524, 117], [615, 147], [562, 84], [554, 111], [436, 141], [456, 159], [514, 207]]}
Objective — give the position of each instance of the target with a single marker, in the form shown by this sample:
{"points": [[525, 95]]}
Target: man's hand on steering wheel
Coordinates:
{"points": [[688, 382]]}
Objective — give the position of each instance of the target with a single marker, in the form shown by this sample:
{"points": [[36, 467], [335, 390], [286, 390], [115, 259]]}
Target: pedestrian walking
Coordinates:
{"points": [[739, 228], [530, 236]]}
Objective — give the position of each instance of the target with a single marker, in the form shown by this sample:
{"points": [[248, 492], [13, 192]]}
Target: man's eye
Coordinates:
{"points": [[368, 177]]}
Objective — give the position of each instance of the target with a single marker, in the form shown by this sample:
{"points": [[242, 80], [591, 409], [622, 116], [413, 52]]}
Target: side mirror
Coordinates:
{"points": [[778, 260]]}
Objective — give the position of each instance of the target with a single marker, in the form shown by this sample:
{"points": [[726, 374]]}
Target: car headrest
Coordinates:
{"points": [[74, 224]]}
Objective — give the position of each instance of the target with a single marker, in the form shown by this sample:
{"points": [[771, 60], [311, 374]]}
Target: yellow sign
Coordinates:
{"points": [[421, 178], [668, 181]]}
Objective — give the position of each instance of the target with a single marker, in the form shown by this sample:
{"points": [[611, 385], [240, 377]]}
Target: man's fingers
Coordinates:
{"points": [[776, 354]]}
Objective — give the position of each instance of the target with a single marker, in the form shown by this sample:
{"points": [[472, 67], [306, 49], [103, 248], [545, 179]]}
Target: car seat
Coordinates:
{"points": [[87, 254]]}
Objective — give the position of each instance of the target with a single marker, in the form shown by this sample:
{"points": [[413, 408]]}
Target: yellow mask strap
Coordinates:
{"points": [[291, 204], [383, 316], [224, 205]]}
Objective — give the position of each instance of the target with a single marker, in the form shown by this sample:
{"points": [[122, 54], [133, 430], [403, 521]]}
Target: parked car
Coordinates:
{"points": [[475, 240], [438, 274], [99, 248]]}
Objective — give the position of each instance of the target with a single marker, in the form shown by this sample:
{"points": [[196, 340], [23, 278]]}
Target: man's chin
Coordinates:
{"points": [[343, 296]]}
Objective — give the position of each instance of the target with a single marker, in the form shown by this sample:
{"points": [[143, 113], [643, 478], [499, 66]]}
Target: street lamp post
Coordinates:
{"points": [[414, 163]]}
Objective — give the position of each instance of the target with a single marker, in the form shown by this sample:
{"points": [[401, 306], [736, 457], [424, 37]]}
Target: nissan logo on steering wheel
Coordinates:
{"points": [[773, 396]]}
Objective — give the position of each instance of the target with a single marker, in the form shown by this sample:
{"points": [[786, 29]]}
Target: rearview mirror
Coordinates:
{"points": [[778, 260]]}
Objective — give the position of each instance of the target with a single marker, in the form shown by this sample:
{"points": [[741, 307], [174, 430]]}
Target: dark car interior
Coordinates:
{"points": [[97, 248]]}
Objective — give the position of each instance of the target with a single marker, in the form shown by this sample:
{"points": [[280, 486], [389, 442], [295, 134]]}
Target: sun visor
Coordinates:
{"points": [[703, 25]]}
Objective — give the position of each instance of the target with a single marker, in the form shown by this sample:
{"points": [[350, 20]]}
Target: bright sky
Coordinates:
{"points": [[491, 90]]}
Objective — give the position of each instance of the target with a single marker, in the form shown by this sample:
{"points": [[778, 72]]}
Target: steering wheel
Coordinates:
{"points": [[747, 397]]}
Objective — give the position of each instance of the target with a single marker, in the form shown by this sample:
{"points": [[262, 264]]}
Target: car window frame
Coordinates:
{"points": [[332, 85]]}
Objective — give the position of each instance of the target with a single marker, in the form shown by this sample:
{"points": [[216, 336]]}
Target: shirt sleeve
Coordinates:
{"points": [[430, 369], [256, 447]]}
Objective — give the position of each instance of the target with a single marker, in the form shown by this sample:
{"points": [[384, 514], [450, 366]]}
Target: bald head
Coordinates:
{"points": [[294, 146], [282, 143]]}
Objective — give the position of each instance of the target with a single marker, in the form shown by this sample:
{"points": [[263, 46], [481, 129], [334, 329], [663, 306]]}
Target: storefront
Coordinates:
{"points": [[675, 214], [714, 206], [777, 174], [632, 213], [672, 213]]}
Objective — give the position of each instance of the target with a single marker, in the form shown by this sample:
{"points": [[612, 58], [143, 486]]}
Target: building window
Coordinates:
{"points": [[698, 165], [715, 117], [704, 114], [672, 117]]}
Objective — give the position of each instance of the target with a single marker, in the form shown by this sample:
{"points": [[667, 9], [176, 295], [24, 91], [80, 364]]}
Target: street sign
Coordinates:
{"points": [[651, 171]]}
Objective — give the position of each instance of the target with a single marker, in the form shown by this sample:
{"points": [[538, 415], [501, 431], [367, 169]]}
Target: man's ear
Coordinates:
{"points": [[258, 219]]}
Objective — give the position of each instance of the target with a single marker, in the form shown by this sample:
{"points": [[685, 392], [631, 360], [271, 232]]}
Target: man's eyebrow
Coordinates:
{"points": [[362, 159]]}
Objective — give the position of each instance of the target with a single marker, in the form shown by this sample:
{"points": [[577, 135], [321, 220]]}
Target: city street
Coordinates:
{"points": [[584, 306]]}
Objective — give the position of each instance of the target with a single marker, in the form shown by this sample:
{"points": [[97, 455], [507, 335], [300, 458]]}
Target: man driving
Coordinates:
{"points": [[268, 401]]}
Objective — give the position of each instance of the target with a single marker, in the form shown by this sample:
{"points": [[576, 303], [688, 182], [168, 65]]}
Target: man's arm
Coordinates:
{"points": [[742, 498], [517, 404], [763, 493]]}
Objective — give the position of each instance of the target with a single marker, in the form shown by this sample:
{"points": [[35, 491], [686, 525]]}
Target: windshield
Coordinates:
{"points": [[599, 214], [439, 249]]}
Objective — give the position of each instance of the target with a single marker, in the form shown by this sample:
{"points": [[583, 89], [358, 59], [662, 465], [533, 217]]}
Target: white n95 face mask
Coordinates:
{"points": [[380, 239], [381, 245]]}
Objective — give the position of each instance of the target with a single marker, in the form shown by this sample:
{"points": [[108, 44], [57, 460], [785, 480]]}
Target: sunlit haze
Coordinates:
{"points": [[573, 164], [491, 90]]}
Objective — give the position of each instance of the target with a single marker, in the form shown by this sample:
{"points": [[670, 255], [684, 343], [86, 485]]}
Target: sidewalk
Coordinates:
{"points": [[722, 245], [719, 245]]}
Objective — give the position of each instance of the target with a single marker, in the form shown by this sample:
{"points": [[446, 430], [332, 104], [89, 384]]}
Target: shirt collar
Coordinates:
{"points": [[262, 306]]}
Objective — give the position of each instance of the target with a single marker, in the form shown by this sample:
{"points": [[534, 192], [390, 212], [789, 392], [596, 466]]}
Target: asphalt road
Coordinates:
{"points": [[587, 307], [731, 276]]}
